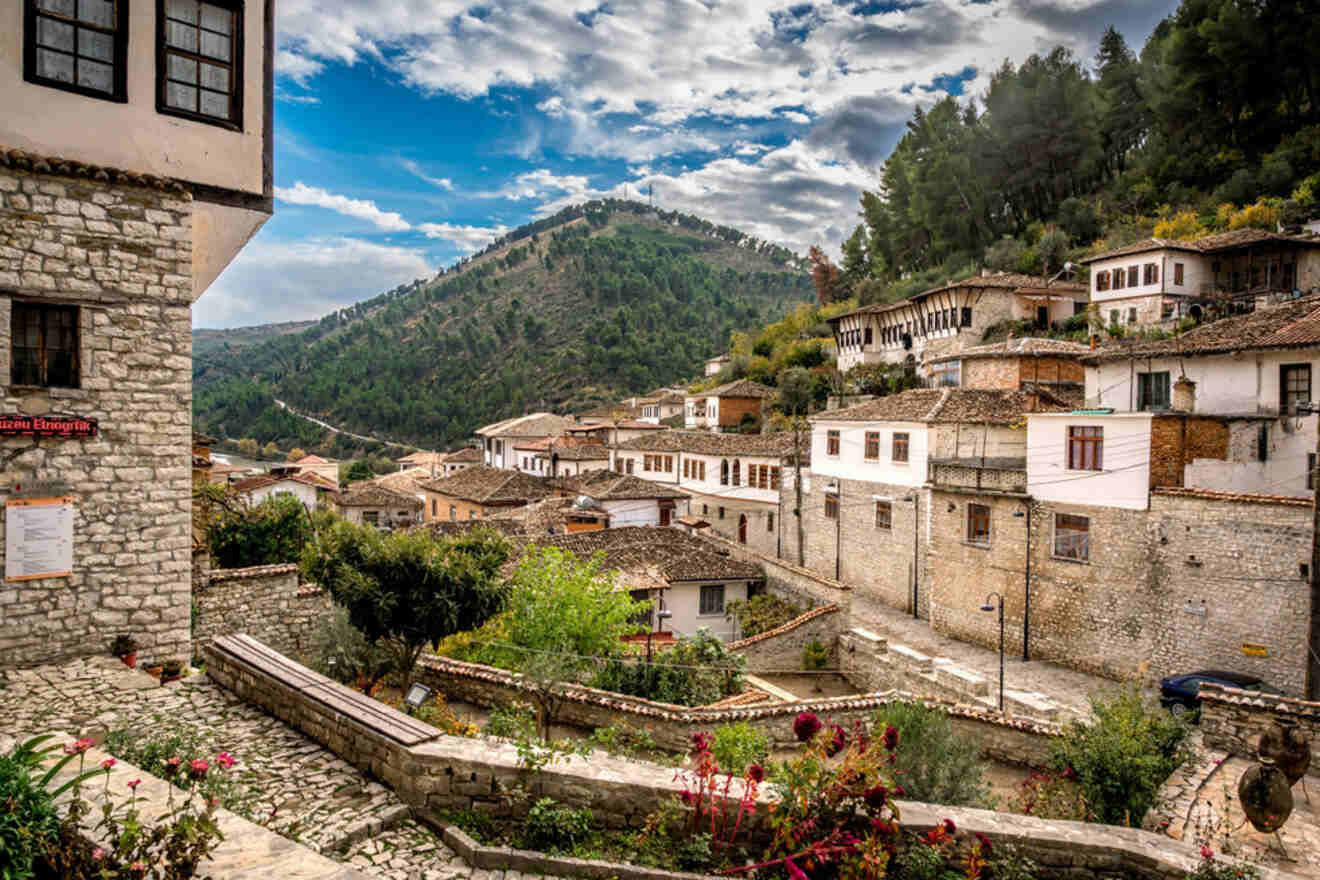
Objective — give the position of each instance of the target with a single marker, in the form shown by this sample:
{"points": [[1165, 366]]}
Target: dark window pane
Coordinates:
{"points": [[55, 34], [215, 77], [98, 12], [95, 75], [181, 36], [94, 44], [215, 46], [215, 104], [216, 19], [59, 7], [183, 97], [183, 69], [53, 65], [184, 10]]}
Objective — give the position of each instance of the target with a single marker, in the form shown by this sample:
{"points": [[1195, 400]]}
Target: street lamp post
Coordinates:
{"points": [[987, 606]]}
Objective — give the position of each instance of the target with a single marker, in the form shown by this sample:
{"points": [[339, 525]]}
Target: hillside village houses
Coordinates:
{"points": [[729, 407], [312, 490], [1027, 361], [1160, 281], [498, 439], [441, 464], [127, 184], [381, 507]]}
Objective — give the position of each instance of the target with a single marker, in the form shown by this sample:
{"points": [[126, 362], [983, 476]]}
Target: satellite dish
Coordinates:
{"points": [[586, 502]]}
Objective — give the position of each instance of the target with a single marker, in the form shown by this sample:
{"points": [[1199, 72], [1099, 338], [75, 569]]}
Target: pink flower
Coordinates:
{"points": [[949, 827], [688, 797], [134, 783], [700, 742], [984, 841], [1207, 853], [98, 854], [77, 748], [805, 727], [875, 797], [837, 741], [225, 760], [107, 764], [197, 769], [794, 871], [138, 869], [172, 766]]}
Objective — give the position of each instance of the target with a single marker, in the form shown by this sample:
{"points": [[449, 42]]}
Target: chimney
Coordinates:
{"points": [[1184, 395]]}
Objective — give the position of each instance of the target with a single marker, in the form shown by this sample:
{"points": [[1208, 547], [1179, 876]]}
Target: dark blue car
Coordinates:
{"points": [[1178, 692]]}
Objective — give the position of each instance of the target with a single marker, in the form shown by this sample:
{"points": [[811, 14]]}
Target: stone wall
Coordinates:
{"points": [[446, 772], [265, 601], [783, 578], [1232, 720], [781, 648], [119, 252]]}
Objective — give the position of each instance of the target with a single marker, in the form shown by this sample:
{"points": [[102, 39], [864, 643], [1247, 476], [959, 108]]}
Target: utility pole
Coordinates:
{"points": [[797, 488], [1312, 631]]}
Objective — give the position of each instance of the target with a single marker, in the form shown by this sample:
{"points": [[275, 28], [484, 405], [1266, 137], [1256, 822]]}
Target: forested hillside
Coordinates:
{"points": [[610, 300], [1216, 122]]}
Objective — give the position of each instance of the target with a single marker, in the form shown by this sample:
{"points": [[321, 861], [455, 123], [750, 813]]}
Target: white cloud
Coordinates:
{"points": [[745, 148], [299, 68], [296, 281], [794, 116], [541, 183], [466, 238], [302, 194], [289, 98], [416, 170]]}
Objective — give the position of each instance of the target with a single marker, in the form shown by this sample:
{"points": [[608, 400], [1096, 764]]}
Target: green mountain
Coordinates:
{"points": [[599, 301]]}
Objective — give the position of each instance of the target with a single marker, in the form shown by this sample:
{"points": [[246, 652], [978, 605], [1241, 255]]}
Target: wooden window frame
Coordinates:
{"points": [[1086, 450], [1133, 273], [901, 450], [235, 65], [1150, 273], [736, 472], [1286, 394], [832, 443], [45, 310], [978, 525], [872, 445], [1102, 280], [1120, 278], [703, 606], [770, 521], [703, 471], [831, 506], [724, 472], [774, 479], [1144, 383], [669, 464], [119, 90], [884, 515], [1082, 551]]}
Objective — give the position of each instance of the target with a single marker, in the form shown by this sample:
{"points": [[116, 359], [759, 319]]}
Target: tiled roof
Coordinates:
{"points": [[261, 481], [738, 388], [22, 161], [538, 445], [446, 529], [1208, 244], [654, 553], [1027, 346], [1239, 497], [708, 443], [312, 459], [422, 459], [791, 625], [466, 454], [406, 482], [378, 496], [1002, 280], [580, 452], [547, 516], [949, 405], [542, 424], [607, 413], [1293, 324], [488, 485], [613, 486]]}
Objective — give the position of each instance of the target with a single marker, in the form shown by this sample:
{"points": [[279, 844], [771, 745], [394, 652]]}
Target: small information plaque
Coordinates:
{"points": [[38, 538]]}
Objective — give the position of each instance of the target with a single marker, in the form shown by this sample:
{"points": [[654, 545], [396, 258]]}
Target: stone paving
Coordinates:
{"points": [[294, 786]]}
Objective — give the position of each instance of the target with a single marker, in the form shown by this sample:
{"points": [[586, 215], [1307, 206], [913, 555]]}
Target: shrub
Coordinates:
{"points": [[553, 828], [761, 613], [736, 746], [815, 655], [697, 671], [269, 533], [436, 712], [935, 765], [342, 652], [514, 721], [28, 821], [1123, 757]]}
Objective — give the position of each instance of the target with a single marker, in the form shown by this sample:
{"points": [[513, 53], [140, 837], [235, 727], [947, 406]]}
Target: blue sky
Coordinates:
{"points": [[411, 132]]}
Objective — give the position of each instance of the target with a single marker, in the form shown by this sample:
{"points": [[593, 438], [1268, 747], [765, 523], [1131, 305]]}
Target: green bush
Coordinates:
{"points": [[761, 613], [27, 820], [815, 655], [933, 763], [272, 532], [342, 652], [1122, 757], [514, 722], [553, 828], [697, 671], [736, 746]]}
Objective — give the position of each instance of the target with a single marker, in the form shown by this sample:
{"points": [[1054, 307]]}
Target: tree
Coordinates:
{"points": [[563, 614], [826, 276], [1124, 113], [248, 447], [358, 469], [296, 453], [270, 450], [270, 533], [407, 589]]}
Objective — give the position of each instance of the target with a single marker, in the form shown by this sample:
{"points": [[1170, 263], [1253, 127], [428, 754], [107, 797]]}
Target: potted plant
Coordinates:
{"points": [[171, 670], [125, 648]]}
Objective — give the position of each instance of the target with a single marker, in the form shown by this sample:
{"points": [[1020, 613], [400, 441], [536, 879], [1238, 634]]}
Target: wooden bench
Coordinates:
{"points": [[346, 701]]}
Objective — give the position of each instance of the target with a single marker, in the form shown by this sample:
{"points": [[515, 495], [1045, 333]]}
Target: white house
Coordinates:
{"points": [[717, 363], [307, 488], [1100, 459], [497, 440], [629, 500]]}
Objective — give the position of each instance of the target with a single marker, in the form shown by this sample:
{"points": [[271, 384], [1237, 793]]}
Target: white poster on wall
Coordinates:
{"points": [[38, 538]]}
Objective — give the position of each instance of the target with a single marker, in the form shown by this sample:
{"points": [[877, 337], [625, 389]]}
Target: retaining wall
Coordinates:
{"points": [[780, 649], [448, 772], [782, 578], [1232, 720], [264, 601]]}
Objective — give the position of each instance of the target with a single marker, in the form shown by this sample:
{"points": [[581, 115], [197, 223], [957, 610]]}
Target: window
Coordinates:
{"points": [[831, 442], [77, 46], [1150, 274], [1102, 280], [435, 507], [371, 517], [198, 70], [1113, 317], [774, 478], [1310, 471], [721, 512], [472, 513], [704, 510], [1294, 386], [1132, 315], [1132, 276], [1153, 390], [769, 522], [1119, 275], [1086, 447], [831, 506], [669, 464], [1178, 273], [872, 444], [1072, 537], [884, 515], [900, 452], [453, 513], [724, 472], [702, 466], [737, 473], [643, 617], [966, 316], [687, 468], [712, 600], [44, 345], [978, 524], [628, 462]]}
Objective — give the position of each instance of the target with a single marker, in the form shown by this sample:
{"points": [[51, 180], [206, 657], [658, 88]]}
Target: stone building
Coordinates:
{"points": [[1011, 365], [727, 407], [479, 492], [106, 240]]}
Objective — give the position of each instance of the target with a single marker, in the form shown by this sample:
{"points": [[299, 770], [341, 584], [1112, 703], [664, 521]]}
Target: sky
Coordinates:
{"points": [[409, 133]]}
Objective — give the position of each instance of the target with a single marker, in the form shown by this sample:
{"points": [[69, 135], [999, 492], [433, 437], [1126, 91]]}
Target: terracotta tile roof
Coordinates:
{"points": [[949, 405], [607, 413], [422, 459], [261, 481], [488, 485], [652, 553], [313, 459], [800, 620], [1144, 246], [708, 443], [614, 486], [407, 482], [316, 480], [547, 516], [540, 444], [466, 454], [1239, 497], [738, 388], [378, 496], [19, 160], [1027, 346], [1294, 324], [1003, 280], [1209, 244], [579, 452], [541, 424], [446, 529]]}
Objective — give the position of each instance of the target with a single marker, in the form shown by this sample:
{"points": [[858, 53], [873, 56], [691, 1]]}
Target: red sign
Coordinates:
{"points": [[43, 426]]}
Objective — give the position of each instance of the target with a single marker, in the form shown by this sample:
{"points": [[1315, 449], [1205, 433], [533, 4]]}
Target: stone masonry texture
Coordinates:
{"points": [[266, 602], [122, 255]]}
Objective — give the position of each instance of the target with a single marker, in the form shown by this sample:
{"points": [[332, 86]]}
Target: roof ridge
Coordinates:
{"points": [[939, 405]]}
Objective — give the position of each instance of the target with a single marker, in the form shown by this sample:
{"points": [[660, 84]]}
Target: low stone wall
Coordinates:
{"points": [[265, 601], [780, 649], [782, 578], [1232, 720], [448, 772], [1013, 740]]}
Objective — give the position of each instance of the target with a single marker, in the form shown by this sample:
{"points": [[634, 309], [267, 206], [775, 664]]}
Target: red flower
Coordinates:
{"points": [[78, 747], [172, 766], [1068, 773], [700, 742], [949, 827], [984, 841], [687, 797], [134, 783], [837, 742], [107, 764], [756, 773], [794, 872], [1207, 853], [891, 738], [899, 791], [225, 760], [806, 726], [197, 769], [875, 797]]}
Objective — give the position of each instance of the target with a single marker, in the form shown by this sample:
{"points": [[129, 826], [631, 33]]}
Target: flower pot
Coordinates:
{"points": [[1288, 746], [1265, 795], [129, 659], [153, 671]]}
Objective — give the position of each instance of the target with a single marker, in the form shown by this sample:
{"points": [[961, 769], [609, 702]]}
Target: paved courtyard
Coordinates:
{"points": [[293, 785]]}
